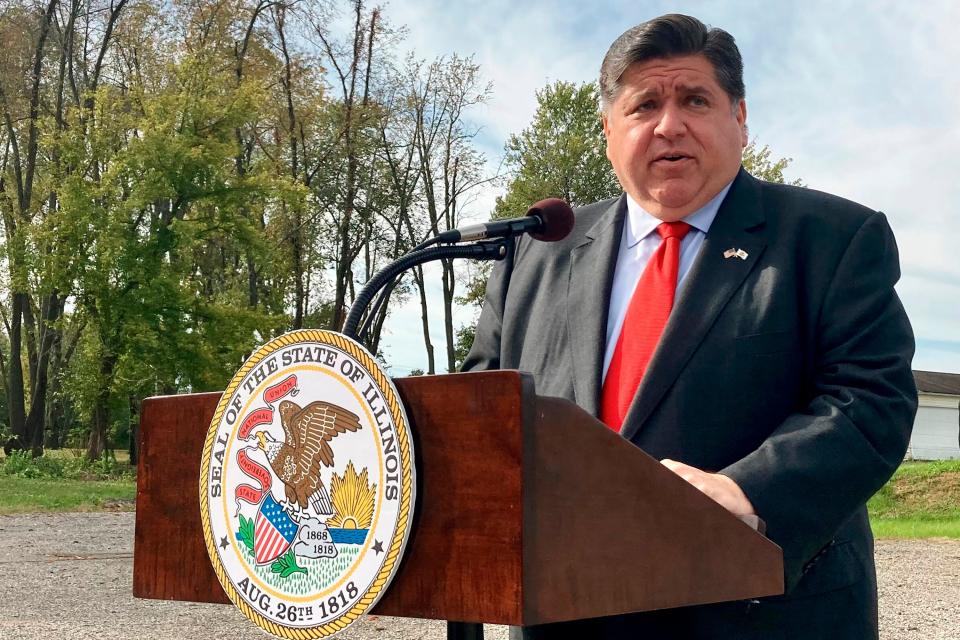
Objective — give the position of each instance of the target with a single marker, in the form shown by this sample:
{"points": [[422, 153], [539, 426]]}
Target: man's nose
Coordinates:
{"points": [[671, 122]]}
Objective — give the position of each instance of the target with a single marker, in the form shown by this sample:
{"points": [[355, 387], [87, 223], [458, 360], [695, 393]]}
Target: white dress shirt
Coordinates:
{"points": [[639, 242]]}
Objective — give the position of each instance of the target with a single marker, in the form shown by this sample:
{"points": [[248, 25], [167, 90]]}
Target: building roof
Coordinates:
{"points": [[934, 382]]}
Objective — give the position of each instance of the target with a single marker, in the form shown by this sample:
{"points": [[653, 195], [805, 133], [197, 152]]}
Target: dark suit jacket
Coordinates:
{"points": [[788, 371]]}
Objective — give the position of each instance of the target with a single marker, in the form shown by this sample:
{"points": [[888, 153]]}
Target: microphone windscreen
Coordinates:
{"points": [[557, 219]]}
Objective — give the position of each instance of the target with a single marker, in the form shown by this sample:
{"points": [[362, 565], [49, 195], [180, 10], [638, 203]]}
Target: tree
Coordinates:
{"points": [[757, 161], [63, 63], [561, 154], [450, 166], [433, 168], [182, 180], [151, 212], [352, 64]]}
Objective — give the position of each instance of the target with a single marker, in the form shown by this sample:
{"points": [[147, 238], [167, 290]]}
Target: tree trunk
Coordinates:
{"points": [[425, 319], [30, 335], [134, 431], [296, 233], [345, 252], [36, 420], [297, 247], [253, 290], [97, 443], [449, 277], [56, 416], [376, 326], [100, 427], [449, 282], [15, 387]]}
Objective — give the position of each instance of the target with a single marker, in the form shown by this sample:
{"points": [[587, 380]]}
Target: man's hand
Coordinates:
{"points": [[718, 486]]}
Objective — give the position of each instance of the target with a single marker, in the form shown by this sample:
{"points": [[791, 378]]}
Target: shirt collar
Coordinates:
{"points": [[640, 224]]}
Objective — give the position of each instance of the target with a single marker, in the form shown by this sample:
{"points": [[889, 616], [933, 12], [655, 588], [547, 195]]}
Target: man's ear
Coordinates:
{"points": [[606, 134], [741, 113]]}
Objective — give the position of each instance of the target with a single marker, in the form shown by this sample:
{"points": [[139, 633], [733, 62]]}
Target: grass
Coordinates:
{"points": [[65, 481], [922, 500], [24, 495], [119, 455]]}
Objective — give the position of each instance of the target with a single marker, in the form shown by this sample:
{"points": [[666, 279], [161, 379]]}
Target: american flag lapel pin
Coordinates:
{"points": [[735, 253]]}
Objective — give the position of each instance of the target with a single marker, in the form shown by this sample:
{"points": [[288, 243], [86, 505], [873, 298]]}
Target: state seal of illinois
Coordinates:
{"points": [[307, 485]]}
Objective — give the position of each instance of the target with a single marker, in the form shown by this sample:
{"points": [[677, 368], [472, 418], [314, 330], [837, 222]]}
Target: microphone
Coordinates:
{"points": [[548, 221]]}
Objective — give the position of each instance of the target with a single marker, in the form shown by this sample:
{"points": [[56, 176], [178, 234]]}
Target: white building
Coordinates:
{"points": [[936, 431]]}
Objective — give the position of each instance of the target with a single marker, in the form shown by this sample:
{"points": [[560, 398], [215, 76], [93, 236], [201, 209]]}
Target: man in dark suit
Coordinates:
{"points": [[777, 379]]}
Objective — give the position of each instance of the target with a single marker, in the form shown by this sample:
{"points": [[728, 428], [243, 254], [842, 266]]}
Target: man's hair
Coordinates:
{"points": [[671, 36]]}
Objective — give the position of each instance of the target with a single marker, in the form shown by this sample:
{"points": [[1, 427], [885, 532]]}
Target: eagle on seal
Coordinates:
{"points": [[307, 435]]}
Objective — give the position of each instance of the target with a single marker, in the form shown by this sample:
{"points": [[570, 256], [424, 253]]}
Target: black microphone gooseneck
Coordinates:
{"points": [[548, 221], [492, 250]]}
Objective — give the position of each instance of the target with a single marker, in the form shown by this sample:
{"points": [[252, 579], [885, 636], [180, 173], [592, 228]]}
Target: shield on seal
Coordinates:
{"points": [[273, 532]]}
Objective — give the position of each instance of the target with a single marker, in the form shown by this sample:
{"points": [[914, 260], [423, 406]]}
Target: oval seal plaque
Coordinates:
{"points": [[307, 485]]}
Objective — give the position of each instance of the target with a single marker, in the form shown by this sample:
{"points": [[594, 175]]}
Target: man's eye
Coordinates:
{"points": [[697, 101], [647, 105]]}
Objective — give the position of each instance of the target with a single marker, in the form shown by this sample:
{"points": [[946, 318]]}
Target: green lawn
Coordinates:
{"points": [[69, 454], [20, 495], [922, 500], [65, 481]]}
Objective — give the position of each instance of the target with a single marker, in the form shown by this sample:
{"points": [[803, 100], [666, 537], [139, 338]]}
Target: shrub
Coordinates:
{"points": [[105, 467], [23, 465]]}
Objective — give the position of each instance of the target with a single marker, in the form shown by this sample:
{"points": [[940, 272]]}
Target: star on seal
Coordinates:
{"points": [[378, 547], [224, 543]]}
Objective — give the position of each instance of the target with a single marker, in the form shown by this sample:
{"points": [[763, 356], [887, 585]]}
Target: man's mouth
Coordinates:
{"points": [[672, 157]]}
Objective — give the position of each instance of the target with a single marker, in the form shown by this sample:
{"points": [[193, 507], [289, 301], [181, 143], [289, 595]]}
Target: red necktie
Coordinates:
{"points": [[646, 317]]}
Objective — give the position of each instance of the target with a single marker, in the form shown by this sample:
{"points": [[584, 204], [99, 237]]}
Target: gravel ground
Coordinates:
{"points": [[69, 576]]}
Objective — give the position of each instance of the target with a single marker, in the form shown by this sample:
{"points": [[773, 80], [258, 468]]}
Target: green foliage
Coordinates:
{"points": [[211, 185], [245, 534], [21, 464], [758, 162], [465, 335], [921, 500], [562, 153], [150, 215], [286, 565], [105, 467]]}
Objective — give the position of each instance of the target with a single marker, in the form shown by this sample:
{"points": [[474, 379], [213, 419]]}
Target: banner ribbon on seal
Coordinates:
{"points": [[254, 470]]}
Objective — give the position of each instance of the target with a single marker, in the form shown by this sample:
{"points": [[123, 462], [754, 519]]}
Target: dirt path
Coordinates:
{"points": [[68, 577]]}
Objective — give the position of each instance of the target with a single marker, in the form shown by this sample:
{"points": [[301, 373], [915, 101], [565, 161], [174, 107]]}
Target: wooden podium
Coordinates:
{"points": [[529, 511]]}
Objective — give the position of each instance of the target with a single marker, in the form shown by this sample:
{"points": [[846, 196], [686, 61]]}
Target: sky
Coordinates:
{"points": [[863, 96]]}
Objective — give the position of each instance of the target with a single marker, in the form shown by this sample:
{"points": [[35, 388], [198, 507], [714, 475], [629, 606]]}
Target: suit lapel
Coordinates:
{"points": [[592, 264], [708, 287]]}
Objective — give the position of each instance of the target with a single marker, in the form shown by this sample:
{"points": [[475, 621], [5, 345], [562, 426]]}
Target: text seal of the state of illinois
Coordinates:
{"points": [[307, 485]]}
